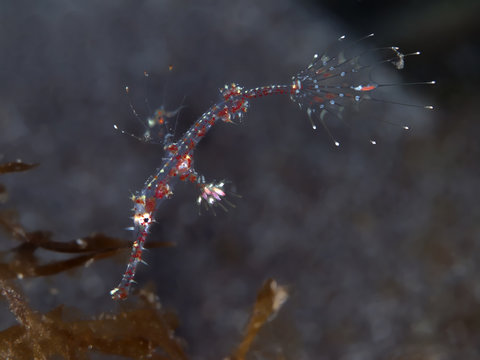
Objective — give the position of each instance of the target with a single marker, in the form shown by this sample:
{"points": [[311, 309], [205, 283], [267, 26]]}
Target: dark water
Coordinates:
{"points": [[379, 244]]}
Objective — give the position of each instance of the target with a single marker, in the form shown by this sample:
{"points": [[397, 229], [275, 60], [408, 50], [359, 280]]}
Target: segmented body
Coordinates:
{"points": [[178, 165], [327, 85]]}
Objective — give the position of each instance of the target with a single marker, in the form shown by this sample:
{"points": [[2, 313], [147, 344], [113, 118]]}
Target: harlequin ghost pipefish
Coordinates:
{"points": [[330, 83]]}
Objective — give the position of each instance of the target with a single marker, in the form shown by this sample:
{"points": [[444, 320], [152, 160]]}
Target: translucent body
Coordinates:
{"points": [[330, 83]]}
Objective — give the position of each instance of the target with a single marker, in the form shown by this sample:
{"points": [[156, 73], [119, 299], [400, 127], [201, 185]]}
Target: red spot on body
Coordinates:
{"points": [[368, 88], [223, 112], [237, 106], [172, 148], [150, 205], [162, 191], [183, 165], [120, 294]]}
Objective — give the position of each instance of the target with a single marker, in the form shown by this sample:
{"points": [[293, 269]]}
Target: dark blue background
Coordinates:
{"points": [[379, 245]]}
